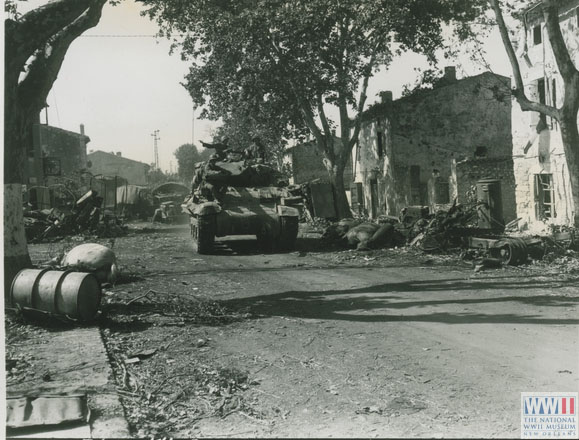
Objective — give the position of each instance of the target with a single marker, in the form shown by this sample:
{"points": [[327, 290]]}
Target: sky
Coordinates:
{"points": [[121, 83]]}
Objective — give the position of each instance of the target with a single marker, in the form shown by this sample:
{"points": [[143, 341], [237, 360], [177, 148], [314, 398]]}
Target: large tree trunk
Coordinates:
{"points": [[336, 174], [570, 136], [17, 131]]}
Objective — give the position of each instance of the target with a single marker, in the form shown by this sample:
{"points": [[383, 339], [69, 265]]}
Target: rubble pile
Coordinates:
{"points": [[85, 217], [456, 230]]}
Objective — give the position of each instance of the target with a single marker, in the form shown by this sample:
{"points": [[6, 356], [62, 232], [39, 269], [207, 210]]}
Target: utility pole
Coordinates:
{"points": [[156, 138]]}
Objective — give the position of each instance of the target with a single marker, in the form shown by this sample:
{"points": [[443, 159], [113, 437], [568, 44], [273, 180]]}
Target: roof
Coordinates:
{"points": [[63, 131], [380, 108], [118, 158]]}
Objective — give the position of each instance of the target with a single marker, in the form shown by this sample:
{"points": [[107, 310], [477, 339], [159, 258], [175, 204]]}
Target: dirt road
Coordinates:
{"points": [[380, 344]]}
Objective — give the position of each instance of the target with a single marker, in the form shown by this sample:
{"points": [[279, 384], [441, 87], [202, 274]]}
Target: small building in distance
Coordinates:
{"points": [[55, 153], [543, 184], [430, 147], [306, 164], [114, 164]]}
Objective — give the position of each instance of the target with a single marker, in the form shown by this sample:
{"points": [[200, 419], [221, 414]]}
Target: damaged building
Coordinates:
{"points": [[114, 164], [543, 189], [432, 146], [54, 152]]}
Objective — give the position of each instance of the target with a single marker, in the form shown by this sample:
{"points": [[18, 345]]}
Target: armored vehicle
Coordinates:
{"points": [[235, 198]]}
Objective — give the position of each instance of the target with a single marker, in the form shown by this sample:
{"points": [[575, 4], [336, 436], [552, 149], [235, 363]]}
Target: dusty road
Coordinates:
{"points": [[365, 345]]}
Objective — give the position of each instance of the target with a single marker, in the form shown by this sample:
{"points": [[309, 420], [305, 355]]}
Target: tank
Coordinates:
{"points": [[236, 198]]}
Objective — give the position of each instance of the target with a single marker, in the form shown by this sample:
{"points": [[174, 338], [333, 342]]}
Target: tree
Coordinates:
{"points": [[187, 156], [267, 122], [35, 47], [566, 115], [307, 54]]}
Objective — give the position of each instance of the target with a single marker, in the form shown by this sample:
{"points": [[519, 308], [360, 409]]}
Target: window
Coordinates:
{"points": [[480, 152], [541, 93], [537, 37], [554, 92], [544, 196], [380, 145]]}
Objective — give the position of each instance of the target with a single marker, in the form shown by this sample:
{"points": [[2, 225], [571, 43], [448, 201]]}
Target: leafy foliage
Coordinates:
{"points": [[298, 56], [187, 156]]}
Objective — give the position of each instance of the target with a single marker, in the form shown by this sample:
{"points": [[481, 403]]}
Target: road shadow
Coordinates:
{"points": [[247, 245], [378, 303]]}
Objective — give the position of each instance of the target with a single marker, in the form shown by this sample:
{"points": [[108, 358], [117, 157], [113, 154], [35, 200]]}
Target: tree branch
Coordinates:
{"points": [[361, 103], [322, 115], [27, 35], [562, 56], [44, 69], [303, 103], [519, 90]]}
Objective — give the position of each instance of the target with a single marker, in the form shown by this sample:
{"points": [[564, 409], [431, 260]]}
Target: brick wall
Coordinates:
{"points": [[466, 173]]}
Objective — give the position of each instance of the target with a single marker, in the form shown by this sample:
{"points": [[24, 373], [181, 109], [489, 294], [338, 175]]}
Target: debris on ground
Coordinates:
{"points": [[453, 231], [86, 217]]}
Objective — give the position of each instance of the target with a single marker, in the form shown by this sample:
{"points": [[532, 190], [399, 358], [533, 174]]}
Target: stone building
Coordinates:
{"points": [[543, 193], [111, 164], [54, 153], [431, 146], [305, 162]]}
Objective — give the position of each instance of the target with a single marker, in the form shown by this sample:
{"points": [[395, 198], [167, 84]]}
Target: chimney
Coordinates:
{"points": [[119, 154], [82, 129], [385, 97], [450, 73]]}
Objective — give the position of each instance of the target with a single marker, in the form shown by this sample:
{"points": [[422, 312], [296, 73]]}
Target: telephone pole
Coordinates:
{"points": [[156, 138]]}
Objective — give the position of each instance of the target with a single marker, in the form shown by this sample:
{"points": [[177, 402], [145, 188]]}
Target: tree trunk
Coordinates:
{"points": [[336, 174], [570, 137], [16, 255], [16, 131]]}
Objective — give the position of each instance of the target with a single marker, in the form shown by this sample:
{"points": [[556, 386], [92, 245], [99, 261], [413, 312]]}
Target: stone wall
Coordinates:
{"points": [[422, 134], [64, 147], [538, 149], [307, 164], [68, 147], [109, 164], [466, 173]]}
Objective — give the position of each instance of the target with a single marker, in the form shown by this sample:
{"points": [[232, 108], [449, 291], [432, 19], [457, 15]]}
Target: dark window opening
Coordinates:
{"points": [[544, 196], [537, 37], [554, 92], [481, 152], [415, 184], [52, 166], [541, 93], [380, 145]]}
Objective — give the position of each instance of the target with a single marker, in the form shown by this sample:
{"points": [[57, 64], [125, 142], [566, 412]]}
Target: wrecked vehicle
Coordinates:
{"points": [[240, 198]]}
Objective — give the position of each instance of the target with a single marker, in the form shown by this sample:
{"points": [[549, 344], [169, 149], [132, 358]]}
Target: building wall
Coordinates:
{"points": [[537, 152], [466, 173], [423, 133], [307, 164], [68, 147], [110, 164]]}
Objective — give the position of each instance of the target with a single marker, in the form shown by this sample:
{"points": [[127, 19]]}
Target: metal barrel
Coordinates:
{"points": [[490, 211], [73, 294]]}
